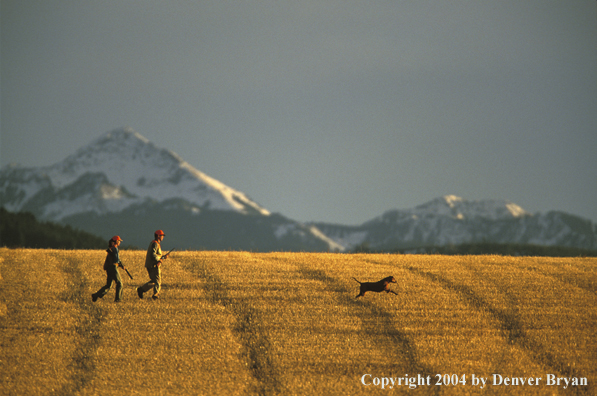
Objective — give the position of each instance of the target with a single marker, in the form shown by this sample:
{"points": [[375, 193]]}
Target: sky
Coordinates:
{"points": [[333, 111]]}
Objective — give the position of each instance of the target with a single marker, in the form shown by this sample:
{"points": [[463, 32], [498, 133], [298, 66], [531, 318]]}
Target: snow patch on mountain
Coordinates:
{"points": [[333, 246], [135, 170], [123, 172], [452, 220], [459, 208]]}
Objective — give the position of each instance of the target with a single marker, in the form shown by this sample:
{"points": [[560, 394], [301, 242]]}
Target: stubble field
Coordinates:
{"points": [[288, 323]]}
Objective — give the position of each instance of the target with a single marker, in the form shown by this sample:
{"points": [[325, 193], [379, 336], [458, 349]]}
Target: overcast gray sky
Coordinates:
{"points": [[320, 110]]}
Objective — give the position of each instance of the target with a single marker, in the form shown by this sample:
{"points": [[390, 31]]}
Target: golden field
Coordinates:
{"points": [[288, 323]]}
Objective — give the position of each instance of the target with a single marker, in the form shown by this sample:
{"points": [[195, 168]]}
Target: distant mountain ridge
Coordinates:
{"points": [[119, 169], [123, 184], [451, 220]]}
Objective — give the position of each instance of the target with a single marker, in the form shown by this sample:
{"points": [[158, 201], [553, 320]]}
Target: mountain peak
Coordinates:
{"points": [[123, 155], [130, 162], [460, 208], [452, 200], [121, 137], [125, 133], [122, 141]]}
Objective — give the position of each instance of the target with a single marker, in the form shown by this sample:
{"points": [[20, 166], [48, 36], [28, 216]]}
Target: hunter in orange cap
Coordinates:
{"points": [[153, 261], [111, 267]]}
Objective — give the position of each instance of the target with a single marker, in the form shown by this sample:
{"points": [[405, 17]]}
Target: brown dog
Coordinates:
{"points": [[377, 287]]}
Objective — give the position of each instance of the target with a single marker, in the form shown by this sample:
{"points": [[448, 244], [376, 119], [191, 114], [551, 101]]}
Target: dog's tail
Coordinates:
{"points": [[357, 280]]}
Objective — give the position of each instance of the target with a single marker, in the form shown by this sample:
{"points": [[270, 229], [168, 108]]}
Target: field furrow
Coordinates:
{"points": [[288, 323], [87, 320], [40, 326], [394, 347], [525, 315], [247, 328]]}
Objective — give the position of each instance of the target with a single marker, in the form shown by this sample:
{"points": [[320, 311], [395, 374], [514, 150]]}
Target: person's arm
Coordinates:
{"points": [[157, 254], [114, 256]]}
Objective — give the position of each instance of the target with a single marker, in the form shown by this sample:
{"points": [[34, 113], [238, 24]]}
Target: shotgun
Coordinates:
{"points": [[127, 271], [122, 266], [165, 256]]}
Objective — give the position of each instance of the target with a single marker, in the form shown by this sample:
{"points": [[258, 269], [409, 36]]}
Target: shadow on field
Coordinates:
{"points": [[510, 323], [86, 328], [585, 280], [377, 322], [247, 329]]}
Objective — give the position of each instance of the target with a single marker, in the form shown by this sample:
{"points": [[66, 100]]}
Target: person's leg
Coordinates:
{"points": [[118, 280], [149, 285], [157, 285], [105, 289]]}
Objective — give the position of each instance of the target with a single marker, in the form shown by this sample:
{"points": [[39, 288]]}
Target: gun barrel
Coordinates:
{"points": [[165, 255]]}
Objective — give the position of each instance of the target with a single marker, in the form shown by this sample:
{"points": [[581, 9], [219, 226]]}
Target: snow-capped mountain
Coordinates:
{"points": [[459, 208], [120, 169], [123, 182], [451, 220]]}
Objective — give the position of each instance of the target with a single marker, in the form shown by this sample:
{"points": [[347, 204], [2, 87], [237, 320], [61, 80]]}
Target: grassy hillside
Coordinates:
{"points": [[289, 323]]}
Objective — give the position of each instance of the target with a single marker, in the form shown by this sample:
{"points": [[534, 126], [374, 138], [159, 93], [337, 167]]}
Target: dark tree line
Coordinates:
{"points": [[23, 230], [484, 248]]}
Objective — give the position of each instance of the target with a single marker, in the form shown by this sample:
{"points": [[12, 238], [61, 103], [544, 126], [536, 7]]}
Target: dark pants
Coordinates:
{"points": [[112, 276], [155, 281]]}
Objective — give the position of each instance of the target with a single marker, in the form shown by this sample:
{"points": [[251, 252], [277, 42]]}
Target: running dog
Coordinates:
{"points": [[377, 287]]}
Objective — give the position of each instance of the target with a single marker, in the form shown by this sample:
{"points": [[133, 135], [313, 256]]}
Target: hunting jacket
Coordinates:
{"points": [[154, 255], [112, 258]]}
